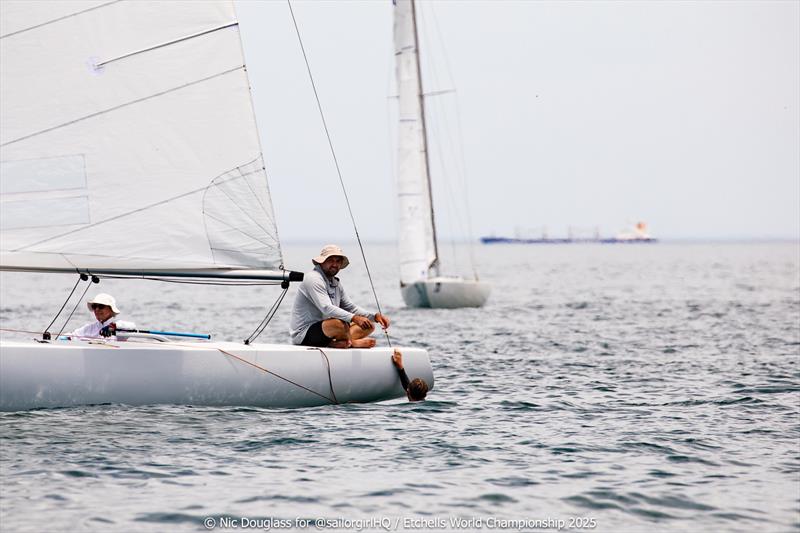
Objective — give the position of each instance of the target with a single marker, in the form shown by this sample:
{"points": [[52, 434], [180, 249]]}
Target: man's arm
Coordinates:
{"points": [[348, 305], [397, 360], [84, 331], [313, 287], [380, 318]]}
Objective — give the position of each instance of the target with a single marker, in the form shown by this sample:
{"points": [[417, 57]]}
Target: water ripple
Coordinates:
{"points": [[651, 389]]}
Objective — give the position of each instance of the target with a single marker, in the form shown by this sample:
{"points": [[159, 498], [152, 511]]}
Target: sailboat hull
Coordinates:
{"points": [[445, 293], [73, 373]]}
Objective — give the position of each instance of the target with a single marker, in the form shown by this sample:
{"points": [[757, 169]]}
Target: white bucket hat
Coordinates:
{"points": [[330, 250], [104, 299]]}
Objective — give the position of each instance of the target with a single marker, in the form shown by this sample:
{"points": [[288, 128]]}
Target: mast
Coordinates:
{"points": [[435, 263]]}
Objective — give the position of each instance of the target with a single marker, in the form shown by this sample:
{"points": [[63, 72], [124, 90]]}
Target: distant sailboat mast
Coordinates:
{"points": [[421, 283], [435, 263], [419, 254]]}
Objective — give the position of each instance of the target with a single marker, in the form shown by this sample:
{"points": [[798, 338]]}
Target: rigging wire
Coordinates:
{"points": [[270, 313], [45, 333], [93, 280], [336, 164], [228, 283], [96, 279], [231, 283], [330, 379], [460, 144], [452, 214], [243, 360], [23, 331], [434, 118]]}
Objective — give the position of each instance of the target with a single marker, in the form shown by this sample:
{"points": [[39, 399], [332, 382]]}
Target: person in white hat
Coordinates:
{"points": [[104, 308], [323, 315]]}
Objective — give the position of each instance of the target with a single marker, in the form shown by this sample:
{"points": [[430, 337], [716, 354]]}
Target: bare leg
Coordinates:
{"points": [[338, 331], [360, 337]]}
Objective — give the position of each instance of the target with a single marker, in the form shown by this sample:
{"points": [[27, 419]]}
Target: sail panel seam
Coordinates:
{"points": [[120, 106], [275, 244], [236, 204], [58, 19], [234, 228], [116, 217], [270, 217], [168, 43], [229, 250]]}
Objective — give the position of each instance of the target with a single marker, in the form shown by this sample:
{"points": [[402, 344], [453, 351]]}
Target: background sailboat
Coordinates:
{"points": [[130, 149], [421, 282]]}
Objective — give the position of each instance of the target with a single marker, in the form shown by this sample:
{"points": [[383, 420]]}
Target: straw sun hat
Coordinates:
{"points": [[328, 251]]}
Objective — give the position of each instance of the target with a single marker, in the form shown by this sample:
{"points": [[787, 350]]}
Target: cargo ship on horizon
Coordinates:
{"points": [[637, 234]]}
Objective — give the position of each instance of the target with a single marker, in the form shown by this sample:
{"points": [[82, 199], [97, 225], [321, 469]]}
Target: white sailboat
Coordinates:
{"points": [[128, 147], [421, 282]]}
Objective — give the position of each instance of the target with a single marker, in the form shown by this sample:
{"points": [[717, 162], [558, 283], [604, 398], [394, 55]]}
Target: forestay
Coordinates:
{"points": [[417, 247], [128, 139]]}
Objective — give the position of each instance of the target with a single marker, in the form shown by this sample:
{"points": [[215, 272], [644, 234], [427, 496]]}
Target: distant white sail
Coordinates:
{"points": [[417, 249], [128, 139]]}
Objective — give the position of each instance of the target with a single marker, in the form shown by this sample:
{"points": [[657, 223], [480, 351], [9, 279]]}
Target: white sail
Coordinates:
{"points": [[417, 247], [128, 139]]}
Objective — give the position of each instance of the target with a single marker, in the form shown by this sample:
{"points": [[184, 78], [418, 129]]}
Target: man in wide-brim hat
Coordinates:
{"points": [[104, 308], [323, 315]]}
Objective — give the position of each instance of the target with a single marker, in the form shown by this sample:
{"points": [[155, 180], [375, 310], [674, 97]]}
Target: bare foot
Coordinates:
{"points": [[344, 343], [366, 342]]}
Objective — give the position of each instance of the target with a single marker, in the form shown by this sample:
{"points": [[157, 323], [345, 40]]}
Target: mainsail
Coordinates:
{"points": [[128, 140], [417, 235]]}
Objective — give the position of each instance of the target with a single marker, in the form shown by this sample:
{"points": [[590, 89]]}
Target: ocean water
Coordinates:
{"points": [[602, 388]]}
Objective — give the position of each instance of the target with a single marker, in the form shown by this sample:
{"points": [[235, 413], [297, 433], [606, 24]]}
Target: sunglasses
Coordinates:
{"points": [[97, 306]]}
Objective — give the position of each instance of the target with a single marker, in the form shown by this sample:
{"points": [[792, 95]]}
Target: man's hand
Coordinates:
{"points": [[362, 322], [397, 359], [109, 330], [383, 320]]}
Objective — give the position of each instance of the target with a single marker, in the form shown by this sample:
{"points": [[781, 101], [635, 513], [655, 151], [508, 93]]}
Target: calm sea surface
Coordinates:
{"points": [[629, 388]]}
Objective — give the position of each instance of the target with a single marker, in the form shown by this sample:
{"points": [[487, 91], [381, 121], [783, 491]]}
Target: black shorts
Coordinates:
{"points": [[315, 336]]}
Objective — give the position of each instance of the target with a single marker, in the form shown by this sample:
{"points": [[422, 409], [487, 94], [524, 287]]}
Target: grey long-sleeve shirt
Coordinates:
{"points": [[319, 298]]}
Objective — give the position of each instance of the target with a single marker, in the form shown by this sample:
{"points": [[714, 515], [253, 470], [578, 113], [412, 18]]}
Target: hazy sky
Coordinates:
{"points": [[682, 114]]}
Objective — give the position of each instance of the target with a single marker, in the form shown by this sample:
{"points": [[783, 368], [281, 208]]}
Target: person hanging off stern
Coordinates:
{"points": [[417, 388], [323, 315], [104, 308]]}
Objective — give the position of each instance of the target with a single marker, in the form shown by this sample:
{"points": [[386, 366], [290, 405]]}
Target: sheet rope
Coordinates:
{"points": [[336, 164]]}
